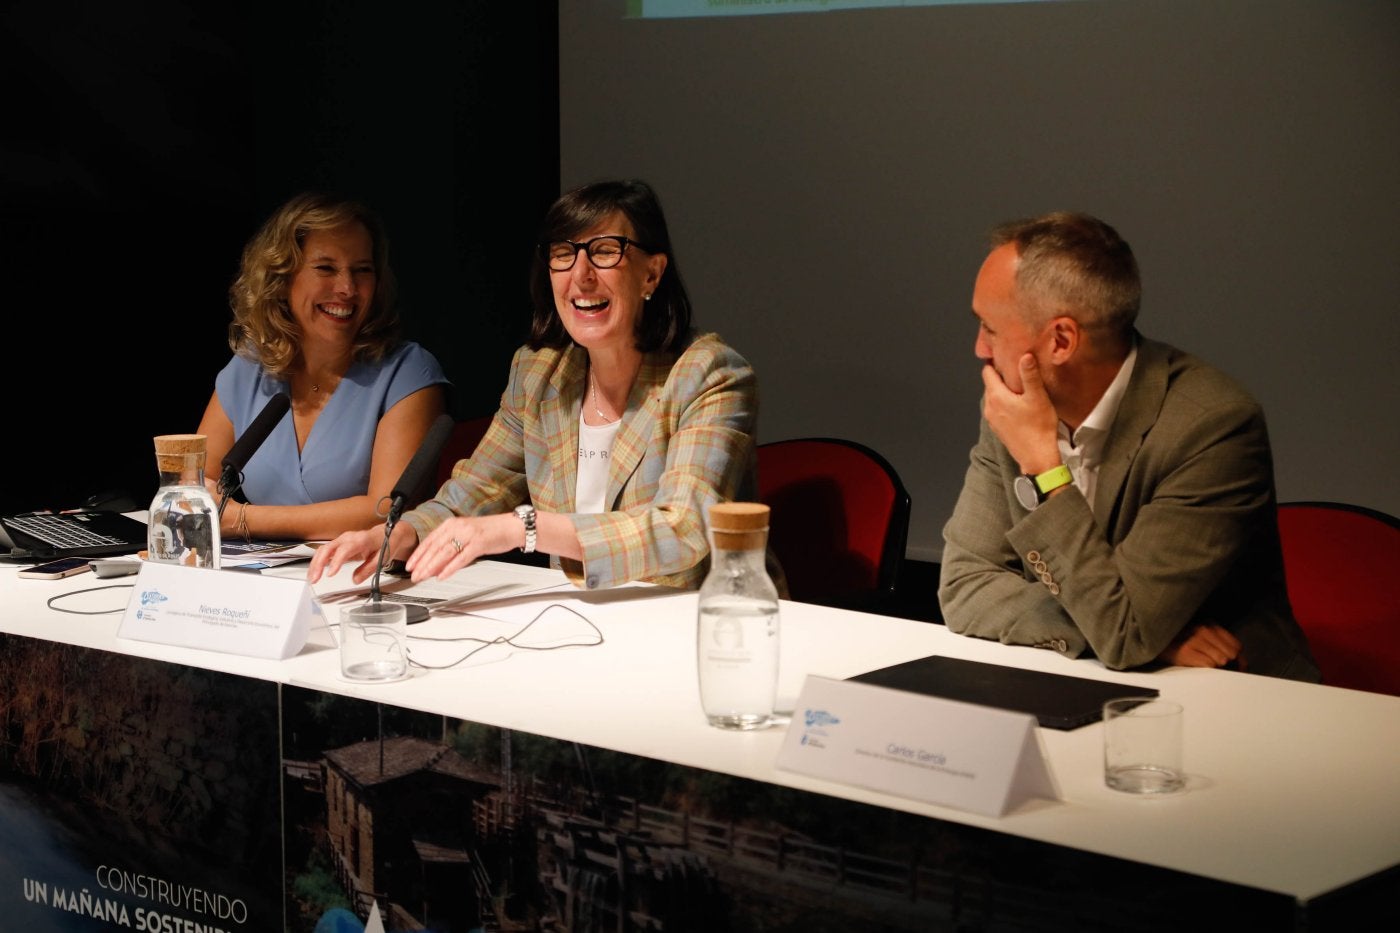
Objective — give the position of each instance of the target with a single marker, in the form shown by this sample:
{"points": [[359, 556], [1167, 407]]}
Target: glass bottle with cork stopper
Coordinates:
{"points": [[737, 631], [184, 520]]}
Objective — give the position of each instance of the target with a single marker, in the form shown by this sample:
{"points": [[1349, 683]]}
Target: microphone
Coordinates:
{"points": [[243, 449], [411, 482], [423, 466]]}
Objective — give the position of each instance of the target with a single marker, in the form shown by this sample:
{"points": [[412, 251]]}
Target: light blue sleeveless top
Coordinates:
{"points": [[335, 461]]}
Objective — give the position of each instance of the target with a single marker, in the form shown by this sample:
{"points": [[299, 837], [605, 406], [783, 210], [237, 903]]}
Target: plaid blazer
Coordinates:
{"points": [[686, 441]]}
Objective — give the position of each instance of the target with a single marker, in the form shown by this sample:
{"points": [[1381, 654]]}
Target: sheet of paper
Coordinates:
{"points": [[265, 554]]}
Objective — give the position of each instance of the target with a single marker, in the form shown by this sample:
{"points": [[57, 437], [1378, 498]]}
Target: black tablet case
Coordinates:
{"points": [[1057, 701]]}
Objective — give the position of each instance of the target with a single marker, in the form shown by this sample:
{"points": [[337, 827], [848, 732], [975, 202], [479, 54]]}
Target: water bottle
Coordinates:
{"points": [[184, 520], [737, 634]]}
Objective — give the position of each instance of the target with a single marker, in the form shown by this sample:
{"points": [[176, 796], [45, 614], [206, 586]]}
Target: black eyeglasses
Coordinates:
{"points": [[603, 251]]}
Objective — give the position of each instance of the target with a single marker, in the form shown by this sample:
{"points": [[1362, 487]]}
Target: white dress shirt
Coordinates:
{"points": [[1082, 450]]}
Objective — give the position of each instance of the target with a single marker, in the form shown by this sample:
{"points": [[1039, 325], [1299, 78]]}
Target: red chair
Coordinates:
{"points": [[1343, 568], [461, 444], [840, 520]]}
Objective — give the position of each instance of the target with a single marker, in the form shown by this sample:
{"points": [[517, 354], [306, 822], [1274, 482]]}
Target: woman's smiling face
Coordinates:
{"points": [[600, 308], [331, 294]]}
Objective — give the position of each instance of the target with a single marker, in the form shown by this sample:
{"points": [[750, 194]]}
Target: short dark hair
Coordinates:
{"points": [[1079, 266], [665, 320]]}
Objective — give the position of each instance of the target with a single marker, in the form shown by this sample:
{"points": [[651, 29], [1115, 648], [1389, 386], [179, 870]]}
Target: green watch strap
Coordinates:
{"points": [[1051, 480]]}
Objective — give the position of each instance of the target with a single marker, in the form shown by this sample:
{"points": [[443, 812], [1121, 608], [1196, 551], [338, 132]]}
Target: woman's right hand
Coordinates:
{"points": [[362, 546]]}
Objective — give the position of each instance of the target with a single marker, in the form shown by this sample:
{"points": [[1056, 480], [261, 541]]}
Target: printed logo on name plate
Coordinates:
{"points": [[149, 600], [815, 720]]}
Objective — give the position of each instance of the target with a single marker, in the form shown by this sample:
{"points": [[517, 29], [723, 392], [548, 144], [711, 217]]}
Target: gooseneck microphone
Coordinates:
{"points": [[411, 484], [231, 476], [422, 467]]}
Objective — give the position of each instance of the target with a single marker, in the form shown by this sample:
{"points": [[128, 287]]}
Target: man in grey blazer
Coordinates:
{"points": [[1120, 499]]}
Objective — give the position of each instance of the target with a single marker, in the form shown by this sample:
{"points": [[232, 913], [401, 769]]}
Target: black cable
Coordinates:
{"points": [[225, 494], [92, 589], [509, 639]]}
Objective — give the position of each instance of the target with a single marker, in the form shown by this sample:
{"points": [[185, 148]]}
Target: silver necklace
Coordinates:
{"points": [[594, 381]]}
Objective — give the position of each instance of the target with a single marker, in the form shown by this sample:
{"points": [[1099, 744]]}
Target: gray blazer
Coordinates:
{"points": [[1189, 534]]}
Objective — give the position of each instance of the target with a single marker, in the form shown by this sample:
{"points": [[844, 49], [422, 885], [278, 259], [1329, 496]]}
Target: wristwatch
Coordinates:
{"points": [[1033, 490], [526, 513]]}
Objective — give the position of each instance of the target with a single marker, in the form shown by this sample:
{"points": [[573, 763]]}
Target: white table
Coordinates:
{"points": [[1292, 788]]}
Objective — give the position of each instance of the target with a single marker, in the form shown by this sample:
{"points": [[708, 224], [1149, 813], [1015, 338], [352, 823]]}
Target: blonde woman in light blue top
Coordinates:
{"points": [[313, 317]]}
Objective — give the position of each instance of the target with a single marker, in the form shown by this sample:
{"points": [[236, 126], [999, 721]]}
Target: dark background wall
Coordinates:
{"points": [[141, 145], [830, 178]]}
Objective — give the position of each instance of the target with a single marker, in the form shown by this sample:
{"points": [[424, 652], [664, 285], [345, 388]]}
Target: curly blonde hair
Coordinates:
{"points": [[263, 328]]}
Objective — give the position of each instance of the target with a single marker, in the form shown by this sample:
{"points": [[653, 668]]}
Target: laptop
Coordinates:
{"points": [[43, 536], [1057, 701]]}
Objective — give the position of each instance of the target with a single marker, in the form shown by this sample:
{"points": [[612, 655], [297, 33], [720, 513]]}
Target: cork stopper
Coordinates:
{"points": [[173, 452], [739, 526]]}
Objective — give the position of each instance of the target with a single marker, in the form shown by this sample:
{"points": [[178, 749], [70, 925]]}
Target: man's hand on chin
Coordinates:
{"points": [[1024, 422]]}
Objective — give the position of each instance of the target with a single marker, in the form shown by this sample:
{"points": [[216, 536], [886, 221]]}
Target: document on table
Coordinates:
{"points": [[263, 555], [467, 591], [483, 615]]}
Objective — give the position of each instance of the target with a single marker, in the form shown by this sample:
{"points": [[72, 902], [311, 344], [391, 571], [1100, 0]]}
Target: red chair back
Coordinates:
{"points": [[840, 520], [1343, 568]]}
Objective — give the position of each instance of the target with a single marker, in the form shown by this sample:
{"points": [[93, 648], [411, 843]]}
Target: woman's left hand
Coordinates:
{"points": [[458, 541]]}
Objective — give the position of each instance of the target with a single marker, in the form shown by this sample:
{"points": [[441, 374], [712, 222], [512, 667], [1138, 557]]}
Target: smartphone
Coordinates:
{"points": [[56, 569]]}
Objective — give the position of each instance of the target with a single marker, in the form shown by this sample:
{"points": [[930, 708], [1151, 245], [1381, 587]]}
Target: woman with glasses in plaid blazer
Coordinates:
{"points": [[618, 428]]}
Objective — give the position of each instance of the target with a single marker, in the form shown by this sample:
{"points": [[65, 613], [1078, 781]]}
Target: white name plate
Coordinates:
{"points": [[219, 610], [959, 755]]}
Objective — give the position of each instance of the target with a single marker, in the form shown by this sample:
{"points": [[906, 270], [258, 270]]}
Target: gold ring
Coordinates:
{"points": [[457, 545]]}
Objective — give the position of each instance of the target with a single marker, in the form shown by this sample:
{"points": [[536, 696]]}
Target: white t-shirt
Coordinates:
{"points": [[594, 453]]}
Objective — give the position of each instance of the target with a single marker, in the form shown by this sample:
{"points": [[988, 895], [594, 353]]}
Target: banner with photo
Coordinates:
{"points": [[141, 795], [135, 795], [434, 823]]}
